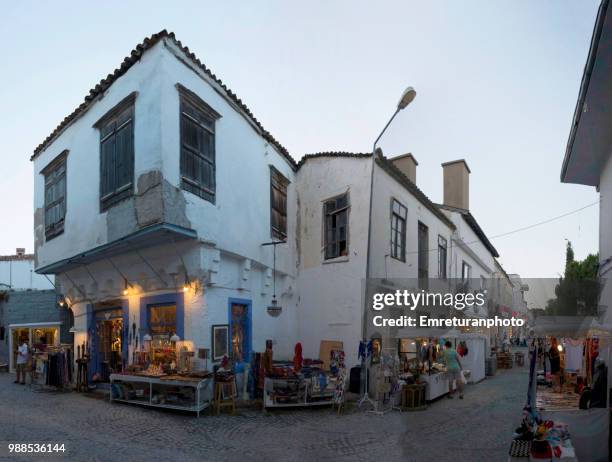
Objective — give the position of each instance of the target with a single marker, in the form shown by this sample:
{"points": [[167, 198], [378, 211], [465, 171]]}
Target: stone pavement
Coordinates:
{"points": [[478, 428]]}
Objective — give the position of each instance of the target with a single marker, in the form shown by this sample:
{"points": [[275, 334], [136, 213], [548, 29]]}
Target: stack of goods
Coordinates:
{"points": [[154, 370], [437, 367], [310, 384], [338, 370], [538, 439]]}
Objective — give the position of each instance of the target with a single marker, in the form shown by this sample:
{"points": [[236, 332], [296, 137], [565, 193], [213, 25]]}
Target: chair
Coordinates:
{"points": [[220, 400]]}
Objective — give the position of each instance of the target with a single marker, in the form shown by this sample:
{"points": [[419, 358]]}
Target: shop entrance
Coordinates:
{"points": [[108, 343], [240, 330], [37, 336]]}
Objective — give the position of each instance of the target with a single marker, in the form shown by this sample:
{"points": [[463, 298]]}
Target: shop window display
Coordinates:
{"points": [[162, 326], [240, 335]]}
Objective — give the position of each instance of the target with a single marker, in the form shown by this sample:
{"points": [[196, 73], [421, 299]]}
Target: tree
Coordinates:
{"points": [[577, 293]]}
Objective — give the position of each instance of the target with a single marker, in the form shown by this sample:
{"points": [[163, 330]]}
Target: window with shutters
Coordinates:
{"points": [[336, 227], [442, 256], [55, 196], [423, 255], [466, 274], [117, 153], [278, 204], [399, 214], [198, 161]]}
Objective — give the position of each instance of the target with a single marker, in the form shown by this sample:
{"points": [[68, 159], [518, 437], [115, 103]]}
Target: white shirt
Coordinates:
{"points": [[22, 353]]}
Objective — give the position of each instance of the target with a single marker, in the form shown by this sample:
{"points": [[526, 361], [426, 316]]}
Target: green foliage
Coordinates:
{"points": [[577, 292]]}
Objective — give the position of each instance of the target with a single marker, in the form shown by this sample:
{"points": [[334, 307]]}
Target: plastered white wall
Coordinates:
{"points": [[330, 292]]}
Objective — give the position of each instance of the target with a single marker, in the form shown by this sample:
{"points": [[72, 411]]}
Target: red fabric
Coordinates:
{"points": [[297, 358]]}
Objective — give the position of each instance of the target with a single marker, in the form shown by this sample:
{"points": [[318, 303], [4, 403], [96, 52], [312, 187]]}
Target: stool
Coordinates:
{"points": [[225, 402], [413, 397]]}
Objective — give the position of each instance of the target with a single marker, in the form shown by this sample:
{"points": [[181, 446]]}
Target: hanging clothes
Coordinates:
{"points": [[573, 355]]}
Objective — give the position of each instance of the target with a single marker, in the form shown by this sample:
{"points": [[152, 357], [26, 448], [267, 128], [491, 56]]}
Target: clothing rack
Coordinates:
{"points": [[56, 367]]}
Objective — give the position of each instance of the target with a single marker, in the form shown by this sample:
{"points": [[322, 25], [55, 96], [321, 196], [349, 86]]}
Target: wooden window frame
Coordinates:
{"points": [[205, 121], [466, 280], [336, 230], [423, 255], [442, 250], [399, 216], [126, 190], [280, 184], [55, 229]]}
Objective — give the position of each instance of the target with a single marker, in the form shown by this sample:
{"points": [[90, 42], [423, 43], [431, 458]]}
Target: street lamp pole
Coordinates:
{"points": [[407, 97]]}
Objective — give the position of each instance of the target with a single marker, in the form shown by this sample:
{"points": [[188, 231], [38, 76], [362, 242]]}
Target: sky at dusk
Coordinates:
{"points": [[496, 83]]}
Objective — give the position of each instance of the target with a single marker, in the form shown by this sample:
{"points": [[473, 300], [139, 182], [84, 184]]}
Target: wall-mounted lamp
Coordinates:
{"points": [[126, 286]]}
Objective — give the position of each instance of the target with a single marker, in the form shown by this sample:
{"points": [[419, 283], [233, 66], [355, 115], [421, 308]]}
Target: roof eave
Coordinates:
{"points": [[127, 63], [584, 86]]}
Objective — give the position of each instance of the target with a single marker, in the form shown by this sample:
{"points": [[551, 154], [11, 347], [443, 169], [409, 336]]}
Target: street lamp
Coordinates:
{"points": [[407, 97]]}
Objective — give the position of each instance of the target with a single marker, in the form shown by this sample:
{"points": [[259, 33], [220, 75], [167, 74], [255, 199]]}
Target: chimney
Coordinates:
{"points": [[20, 251], [457, 184], [407, 164]]}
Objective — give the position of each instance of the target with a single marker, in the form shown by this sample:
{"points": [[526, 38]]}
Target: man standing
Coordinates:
{"points": [[22, 360]]}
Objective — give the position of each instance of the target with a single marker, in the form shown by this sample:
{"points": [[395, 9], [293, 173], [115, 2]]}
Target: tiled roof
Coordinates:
{"points": [[332, 154], [396, 173], [472, 223], [127, 63], [26, 256]]}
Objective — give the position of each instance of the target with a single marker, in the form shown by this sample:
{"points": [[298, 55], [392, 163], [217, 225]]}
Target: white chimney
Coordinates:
{"points": [[457, 184], [407, 164]]}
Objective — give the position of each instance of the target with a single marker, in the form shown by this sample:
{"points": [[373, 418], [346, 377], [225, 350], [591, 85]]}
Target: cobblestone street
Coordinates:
{"points": [[477, 428]]}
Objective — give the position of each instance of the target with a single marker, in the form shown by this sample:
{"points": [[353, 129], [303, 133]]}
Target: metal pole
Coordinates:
{"points": [[366, 396]]}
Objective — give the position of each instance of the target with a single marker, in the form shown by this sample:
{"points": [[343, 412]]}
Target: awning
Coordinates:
{"points": [[569, 326], [158, 234]]}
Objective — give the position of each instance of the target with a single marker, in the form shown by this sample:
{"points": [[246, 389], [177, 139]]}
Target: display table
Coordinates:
{"points": [[437, 385], [177, 392], [302, 396]]}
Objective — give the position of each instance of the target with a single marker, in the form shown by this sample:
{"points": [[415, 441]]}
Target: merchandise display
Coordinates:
{"points": [[539, 439], [177, 391], [53, 366], [310, 385]]}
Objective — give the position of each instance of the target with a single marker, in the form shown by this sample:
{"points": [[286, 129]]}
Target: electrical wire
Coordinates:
{"points": [[518, 230]]}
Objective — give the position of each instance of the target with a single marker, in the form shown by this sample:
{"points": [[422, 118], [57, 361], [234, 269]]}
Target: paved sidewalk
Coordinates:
{"points": [[477, 428]]}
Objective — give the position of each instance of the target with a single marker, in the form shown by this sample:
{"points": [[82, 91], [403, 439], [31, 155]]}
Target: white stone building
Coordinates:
{"points": [[154, 199], [17, 273], [587, 158], [152, 202]]}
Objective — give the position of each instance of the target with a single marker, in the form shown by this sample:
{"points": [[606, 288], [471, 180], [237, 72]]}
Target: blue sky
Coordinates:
{"points": [[497, 83]]}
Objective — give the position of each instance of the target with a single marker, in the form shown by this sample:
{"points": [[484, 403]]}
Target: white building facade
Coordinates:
{"points": [[17, 272], [588, 159], [164, 208], [152, 204]]}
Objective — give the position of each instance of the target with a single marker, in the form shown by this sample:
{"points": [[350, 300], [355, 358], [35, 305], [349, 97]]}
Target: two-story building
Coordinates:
{"points": [[168, 212], [152, 202]]}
